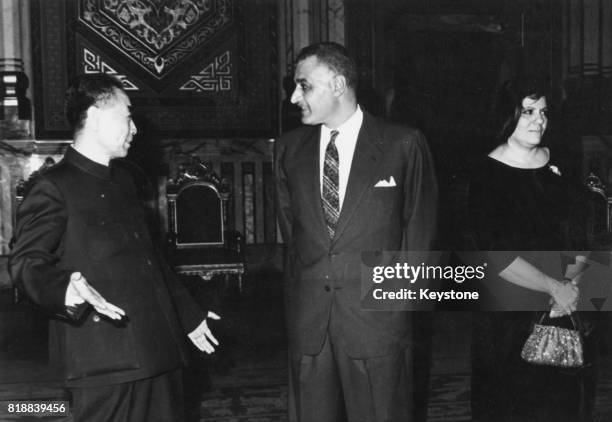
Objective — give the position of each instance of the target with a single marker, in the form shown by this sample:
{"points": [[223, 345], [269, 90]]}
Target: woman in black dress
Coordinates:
{"points": [[519, 200]]}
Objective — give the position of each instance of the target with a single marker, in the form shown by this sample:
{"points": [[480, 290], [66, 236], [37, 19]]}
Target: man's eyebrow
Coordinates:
{"points": [[300, 80]]}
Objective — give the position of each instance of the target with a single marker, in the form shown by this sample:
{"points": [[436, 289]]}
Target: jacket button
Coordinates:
{"points": [[327, 288], [96, 318]]}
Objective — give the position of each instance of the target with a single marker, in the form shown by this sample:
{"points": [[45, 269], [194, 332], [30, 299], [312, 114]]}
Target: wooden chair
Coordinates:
{"points": [[200, 242], [598, 204]]}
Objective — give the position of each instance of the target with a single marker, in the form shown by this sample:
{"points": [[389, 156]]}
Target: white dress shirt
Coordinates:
{"points": [[345, 143]]}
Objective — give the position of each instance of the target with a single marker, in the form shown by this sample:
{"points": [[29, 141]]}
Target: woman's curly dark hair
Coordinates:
{"points": [[510, 101]]}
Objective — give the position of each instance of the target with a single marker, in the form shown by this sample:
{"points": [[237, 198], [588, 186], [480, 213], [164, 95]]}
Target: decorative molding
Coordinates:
{"points": [[93, 63], [304, 22], [51, 111], [216, 76], [587, 65], [335, 17]]}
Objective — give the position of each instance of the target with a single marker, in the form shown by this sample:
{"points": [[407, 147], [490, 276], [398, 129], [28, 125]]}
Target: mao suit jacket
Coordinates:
{"points": [[323, 276], [82, 216]]}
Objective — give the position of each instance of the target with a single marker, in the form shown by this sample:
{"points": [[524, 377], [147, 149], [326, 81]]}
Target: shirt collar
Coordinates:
{"points": [[95, 169], [352, 124]]}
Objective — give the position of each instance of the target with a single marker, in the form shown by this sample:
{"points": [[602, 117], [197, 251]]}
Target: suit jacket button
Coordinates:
{"points": [[96, 318], [327, 288]]}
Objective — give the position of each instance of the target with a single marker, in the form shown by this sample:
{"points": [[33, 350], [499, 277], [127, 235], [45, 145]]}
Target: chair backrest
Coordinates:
{"points": [[196, 213], [597, 208]]}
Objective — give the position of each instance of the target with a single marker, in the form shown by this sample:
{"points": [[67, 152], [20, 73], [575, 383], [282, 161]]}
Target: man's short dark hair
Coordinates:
{"points": [[335, 57], [87, 90]]}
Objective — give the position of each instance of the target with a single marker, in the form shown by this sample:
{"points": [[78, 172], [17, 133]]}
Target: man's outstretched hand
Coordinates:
{"points": [[202, 337]]}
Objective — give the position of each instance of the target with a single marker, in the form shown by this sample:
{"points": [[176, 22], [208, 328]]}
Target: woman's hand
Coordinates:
{"points": [[565, 296]]}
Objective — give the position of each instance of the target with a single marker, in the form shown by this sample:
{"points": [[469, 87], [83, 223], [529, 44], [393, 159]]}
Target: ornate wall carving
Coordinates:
{"points": [[216, 76], [93, 63], [194, 68], [157, 35]]}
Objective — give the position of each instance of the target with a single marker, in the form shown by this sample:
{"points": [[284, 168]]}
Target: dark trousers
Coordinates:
{"points": [[330, 385], [149, 400]]}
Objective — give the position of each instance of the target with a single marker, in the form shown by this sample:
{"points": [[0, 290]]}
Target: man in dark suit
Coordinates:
{"points": [[120, 319], [347, 183]]}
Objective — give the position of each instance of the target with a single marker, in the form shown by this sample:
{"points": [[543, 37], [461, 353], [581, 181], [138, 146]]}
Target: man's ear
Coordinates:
{"points": [[93, 117], [339, 85]]}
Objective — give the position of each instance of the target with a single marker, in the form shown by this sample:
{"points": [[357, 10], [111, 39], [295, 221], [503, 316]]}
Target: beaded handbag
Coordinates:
{"points": [[555, 346]]}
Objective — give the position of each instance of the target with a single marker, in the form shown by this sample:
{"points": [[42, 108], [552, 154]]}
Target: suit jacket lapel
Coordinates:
{"points": [[310, 168], [368, 151]]}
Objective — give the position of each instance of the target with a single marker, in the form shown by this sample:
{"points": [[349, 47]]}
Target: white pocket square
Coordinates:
{"points": [[386, 183]]}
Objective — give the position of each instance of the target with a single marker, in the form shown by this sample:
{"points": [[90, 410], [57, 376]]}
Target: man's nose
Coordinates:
{"points": [[133, 128], [295, 96]]}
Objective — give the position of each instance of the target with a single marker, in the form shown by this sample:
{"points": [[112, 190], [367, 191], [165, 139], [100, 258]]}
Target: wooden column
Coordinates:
{"points": [[15, 66]]}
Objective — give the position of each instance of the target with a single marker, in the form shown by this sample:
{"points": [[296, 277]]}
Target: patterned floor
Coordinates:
{"points": [[449, 402], [249, 380], [253, 391], [256, 392]]}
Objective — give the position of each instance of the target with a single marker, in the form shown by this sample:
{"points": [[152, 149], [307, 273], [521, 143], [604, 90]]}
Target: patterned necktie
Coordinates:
{"points": [[331, 182]]}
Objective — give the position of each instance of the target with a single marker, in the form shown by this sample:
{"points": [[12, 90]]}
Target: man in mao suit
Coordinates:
{"points": [[120, 319], [347, 182]]}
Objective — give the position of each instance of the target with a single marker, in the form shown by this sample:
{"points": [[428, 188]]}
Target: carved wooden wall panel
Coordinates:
{"points": [[194, 68]]}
